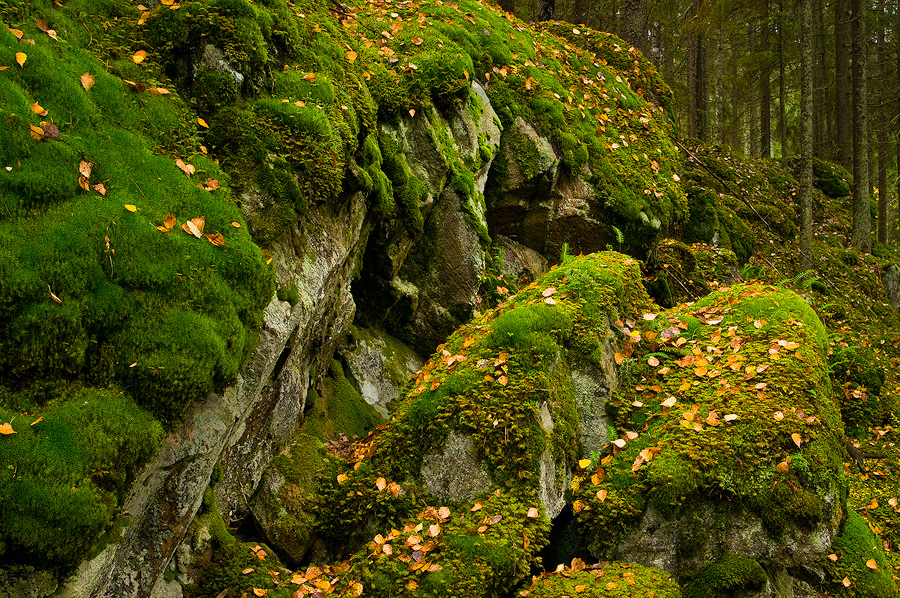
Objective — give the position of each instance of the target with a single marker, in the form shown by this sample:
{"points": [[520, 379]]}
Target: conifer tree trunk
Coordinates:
{"points": [[804, 8], [765, 88], [843, 117], [821, 122], [881, 132], [634, 29], [862, 220], [546, 10], [782, 96], [696, 77]]}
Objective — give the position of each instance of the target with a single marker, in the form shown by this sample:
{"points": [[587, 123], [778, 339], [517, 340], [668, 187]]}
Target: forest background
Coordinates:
{"points": [[737, 70]]}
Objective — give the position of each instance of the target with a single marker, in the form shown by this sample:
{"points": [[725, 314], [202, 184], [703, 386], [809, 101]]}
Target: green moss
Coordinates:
{"points": [[831, 179], [855, 547], [290, 294], [726, 577], [604, 580], [69, 464]]}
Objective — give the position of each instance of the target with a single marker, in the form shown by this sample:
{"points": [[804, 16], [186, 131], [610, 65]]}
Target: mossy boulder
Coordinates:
{"points": [[730, 440], [602, 580], [684, 273], [861, 569]]}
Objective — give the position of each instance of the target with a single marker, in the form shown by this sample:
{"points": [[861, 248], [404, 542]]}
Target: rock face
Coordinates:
{"points": [[246, 425], [378, 366]]}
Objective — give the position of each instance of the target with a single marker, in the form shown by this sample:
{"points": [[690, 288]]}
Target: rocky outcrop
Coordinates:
{"points": [[246, 425]]}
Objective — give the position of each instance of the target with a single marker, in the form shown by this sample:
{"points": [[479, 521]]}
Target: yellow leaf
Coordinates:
{"points": [[341, 478], [871, 564], [53, 296], [7, 429], [412, 585], [38, 109], [202, 123], [130, 208], [584, 463], [139, 56], [619, 358], [602, 494], [21, 57], [797, 439]]}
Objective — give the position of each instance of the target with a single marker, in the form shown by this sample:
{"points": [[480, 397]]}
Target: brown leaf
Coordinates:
{"points": [[503, 380], [169, 221], [84, 183], [216, 239], [194, 226], [493, 520], [211, 184], [16, 32]]}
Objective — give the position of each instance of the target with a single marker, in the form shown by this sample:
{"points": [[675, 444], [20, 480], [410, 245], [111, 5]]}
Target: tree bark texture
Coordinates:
{"points": [[804, 8], [861, 236], [843, 116]]}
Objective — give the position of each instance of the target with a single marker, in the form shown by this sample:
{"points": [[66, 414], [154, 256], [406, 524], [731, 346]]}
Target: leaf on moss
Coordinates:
{"points": [[187, 169], [21, 57], [194, 226], [139, 56], [7, 429], [871, 564]]}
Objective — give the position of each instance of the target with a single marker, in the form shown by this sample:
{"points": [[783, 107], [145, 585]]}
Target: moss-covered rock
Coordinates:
{"points": [[730, 398], [609, 580], [861, 567]]}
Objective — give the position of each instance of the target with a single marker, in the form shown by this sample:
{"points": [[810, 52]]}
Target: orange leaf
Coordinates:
{"points": [[444, 512], [170, 221], [351, 56], [187, 169], [798, 440], [833, 557], [532, 513], [85, 169], [211, 184], [503, 380], [84, 183], [139, 56], [381, 484], [871, 564], [21, 57], [602, 494], [38, 109], [17, 32], [202, 123], [40, 419], [216, 239], [100, 188], [846, 582], [236, 224], [7, 429], [260, 592], [619, 358]]}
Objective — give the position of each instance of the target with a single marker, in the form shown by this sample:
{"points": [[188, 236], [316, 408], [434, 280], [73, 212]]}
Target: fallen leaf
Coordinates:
{"points": [[187, 169], [846, 582], [211, 184], [100, 188], [602, 494], [833, 557], [434, 530], [53, 295], [619, 442], [130, 208], [476, 507], [215, 238], [260, 592], [202, 123], [85, 169], [730, 417], [170, 221], [798, 440], [584, 463], [532, 513], [21, 57], [236, 224], [669, 402], [381, 484], [139, 56], [653, 361], [247, 570], [351, 56], [38, 109], [341, 478], [783, 467], [778, 416], [503, 380], [7, 429], [871, 564], [40, 419], [619, 358], [444, 512]]}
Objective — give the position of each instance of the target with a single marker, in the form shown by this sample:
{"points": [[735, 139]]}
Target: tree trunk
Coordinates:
{"points": [[881, 132], [861, 237], [765, 88], [843, 117], [821, 122], [782, 95], [634, 30], [696, 76], [806, 133], [546, 10]]}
